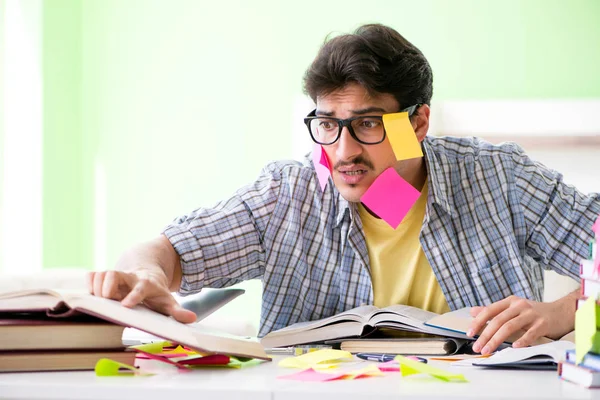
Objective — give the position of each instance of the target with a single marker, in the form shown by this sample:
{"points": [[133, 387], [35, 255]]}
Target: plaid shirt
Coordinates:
{"points": [[494, 219]]}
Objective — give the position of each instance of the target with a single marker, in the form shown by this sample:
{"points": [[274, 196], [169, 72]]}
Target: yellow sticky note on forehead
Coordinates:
{"points": [[401, 135]]}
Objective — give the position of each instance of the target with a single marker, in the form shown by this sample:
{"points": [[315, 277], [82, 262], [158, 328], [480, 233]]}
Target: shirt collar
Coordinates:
{"points": [[438, 182]]}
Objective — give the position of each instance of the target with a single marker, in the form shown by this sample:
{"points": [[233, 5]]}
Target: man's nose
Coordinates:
{"points": [[347, 147]]}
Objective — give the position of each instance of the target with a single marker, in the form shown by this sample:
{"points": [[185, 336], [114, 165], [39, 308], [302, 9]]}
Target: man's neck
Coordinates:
{"points": [[413, 171]]}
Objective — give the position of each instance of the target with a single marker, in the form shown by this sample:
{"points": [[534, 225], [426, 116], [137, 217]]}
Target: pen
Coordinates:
{"points": [[386, 357]]}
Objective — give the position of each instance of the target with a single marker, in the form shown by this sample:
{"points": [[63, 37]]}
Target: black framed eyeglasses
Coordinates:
{"points": [[364, 129]]}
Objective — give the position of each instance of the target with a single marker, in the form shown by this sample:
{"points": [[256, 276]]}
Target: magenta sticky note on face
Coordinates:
{"points": [[596, 226], [321, 164], [390, 197]]}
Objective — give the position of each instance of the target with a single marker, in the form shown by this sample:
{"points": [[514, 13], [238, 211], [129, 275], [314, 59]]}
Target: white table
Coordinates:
{"points": [[260, 382]]}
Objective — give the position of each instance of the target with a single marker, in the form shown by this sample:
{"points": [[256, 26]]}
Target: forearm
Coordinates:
{"points": [[565, 309], [156, 257]]}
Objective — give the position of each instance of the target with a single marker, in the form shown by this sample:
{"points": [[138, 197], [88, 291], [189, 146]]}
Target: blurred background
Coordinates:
{"points": [[117, 116]]}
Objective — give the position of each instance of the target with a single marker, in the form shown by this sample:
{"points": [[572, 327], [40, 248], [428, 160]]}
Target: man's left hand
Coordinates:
{"points": [[513, 314]]}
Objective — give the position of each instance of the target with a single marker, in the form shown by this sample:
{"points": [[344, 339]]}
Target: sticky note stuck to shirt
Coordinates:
{"points": [[321, 164], [412, 367], [401, 135], [390, 197]]}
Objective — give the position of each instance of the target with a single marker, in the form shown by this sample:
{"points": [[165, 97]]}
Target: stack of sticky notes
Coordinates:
{"points": [[582, 366]]}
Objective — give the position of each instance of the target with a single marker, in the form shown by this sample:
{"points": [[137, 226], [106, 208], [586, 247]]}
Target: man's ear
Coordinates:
{"points": [[420, 122]]}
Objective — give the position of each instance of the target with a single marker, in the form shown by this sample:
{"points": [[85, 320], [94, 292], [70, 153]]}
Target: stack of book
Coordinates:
{"points": [[47, 330], [582, 366], [33, 341]]}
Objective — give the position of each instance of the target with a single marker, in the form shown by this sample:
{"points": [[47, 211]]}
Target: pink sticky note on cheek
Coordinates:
{"points": [[390, 197], [321, 164]]}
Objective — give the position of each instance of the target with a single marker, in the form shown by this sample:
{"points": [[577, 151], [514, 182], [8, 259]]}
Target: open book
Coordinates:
{"points": [[544, 356], [63, 304], [364, 321], [358, 322]]}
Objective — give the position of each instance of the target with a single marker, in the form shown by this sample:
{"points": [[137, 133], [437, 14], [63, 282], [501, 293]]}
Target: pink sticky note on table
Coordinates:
{"points": [[389, 366], [310, 375], [321, 164], [390, 197]]}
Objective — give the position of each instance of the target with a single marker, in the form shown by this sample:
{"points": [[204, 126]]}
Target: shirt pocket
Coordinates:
{"points": [[493, 280]]}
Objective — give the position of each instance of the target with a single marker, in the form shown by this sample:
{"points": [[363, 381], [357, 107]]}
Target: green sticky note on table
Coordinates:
{"points": [[152, 348], [412, 367], [401, 135], [108, 367], [587, 339]]}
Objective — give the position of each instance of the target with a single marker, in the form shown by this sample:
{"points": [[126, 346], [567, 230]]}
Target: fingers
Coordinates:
{"points": [[89, 280], [133, 289], [181, 314], [137, 294], [501, 328], [532, 334], [97, 283], [474, 311], [484, 314]]}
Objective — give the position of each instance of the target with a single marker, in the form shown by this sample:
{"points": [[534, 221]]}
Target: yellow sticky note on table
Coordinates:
{"points": [[321, 359], [368, 371], [587, 318], [411, 367], [401, 135]]}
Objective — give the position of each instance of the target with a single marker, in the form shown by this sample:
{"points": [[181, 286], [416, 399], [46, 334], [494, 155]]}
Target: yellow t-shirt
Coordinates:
{"points": [[400, 271]]}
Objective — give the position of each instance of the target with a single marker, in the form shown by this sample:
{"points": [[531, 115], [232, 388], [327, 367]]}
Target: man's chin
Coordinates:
{"points": [[352, 195]]}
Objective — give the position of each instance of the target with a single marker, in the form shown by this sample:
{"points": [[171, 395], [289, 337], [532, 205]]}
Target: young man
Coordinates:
{"points": [[487, 221]]}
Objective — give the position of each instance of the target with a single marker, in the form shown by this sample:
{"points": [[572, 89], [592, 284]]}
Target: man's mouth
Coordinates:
{"points": [[357, 172]]}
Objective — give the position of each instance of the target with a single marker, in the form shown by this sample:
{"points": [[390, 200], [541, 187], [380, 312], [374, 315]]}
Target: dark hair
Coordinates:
{"points": [[376, 57]]}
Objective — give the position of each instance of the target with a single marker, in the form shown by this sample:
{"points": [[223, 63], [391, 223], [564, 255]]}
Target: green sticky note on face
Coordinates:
{"points": [[586, 328], [401, 135], [411, 367]]}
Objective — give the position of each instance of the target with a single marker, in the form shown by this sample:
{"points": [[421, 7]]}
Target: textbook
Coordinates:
{"points": [[364, 321], [579, 374], [359, 322], [57, 360], [62, 304], [405, 343], [544, 356], [40, 332]]}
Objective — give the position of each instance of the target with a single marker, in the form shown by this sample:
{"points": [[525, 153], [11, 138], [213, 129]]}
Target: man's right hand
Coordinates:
{"points": [[144, 274]]}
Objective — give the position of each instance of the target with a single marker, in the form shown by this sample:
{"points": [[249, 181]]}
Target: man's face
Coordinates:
{"points": [[355, 165]]}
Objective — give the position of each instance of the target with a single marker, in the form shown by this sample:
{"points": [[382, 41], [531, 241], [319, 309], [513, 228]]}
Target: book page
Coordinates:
{"points": [[161, 325], [410, 318], [29, 300], [358, 314]]}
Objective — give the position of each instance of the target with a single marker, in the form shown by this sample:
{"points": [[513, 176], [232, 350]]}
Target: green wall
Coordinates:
{"points": [[66, 233], [179, 103]]}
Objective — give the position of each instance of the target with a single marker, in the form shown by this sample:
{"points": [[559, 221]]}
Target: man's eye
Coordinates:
{"points": [[370, 123], [327, 125]]}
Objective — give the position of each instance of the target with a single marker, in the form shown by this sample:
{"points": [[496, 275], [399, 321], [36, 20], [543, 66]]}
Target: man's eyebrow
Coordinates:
{"points": [[361, 111]]}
